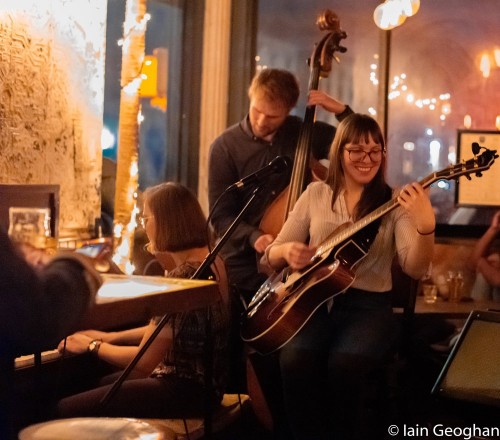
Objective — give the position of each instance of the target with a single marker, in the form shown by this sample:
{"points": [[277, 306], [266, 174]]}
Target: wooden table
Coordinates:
{"points": [[126, 300], [449, 309]]}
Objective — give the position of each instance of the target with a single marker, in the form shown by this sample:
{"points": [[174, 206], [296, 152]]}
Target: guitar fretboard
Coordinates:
{"points": [[479, 163]]}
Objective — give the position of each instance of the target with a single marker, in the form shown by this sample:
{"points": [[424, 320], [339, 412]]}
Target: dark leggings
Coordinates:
{"points": [[167, 397], [326, 365]]}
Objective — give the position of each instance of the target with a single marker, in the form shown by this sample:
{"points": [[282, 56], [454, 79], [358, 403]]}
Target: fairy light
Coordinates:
{"points": [[125, 234], [399, 89], [134, 28], [140, 117], [485, 65], [489, 61]]}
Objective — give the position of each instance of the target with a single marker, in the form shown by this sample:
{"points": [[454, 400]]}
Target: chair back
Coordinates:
{"points": [[404, 290], [404, 296]]}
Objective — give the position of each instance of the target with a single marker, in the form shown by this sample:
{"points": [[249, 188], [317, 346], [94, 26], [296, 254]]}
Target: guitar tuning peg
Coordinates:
{"points": [[479, 174], [468, 177]]}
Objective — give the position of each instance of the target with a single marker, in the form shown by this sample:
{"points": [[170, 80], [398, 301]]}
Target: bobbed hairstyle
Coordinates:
{"points": [[277, 85], [350, 131], [179, 219]]}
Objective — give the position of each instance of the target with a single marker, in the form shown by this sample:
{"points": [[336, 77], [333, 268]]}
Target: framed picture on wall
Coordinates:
{"points": [[481, 191], [475, 201]]}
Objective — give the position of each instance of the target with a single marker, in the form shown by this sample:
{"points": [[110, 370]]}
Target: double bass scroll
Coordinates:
{"points": [[320, 65]]}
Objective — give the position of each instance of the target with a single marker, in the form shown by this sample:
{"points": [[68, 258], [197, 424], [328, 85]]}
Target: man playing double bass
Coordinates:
{"points": [[266, 132]]}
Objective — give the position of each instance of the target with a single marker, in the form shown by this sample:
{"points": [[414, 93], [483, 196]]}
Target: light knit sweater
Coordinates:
{"points": [[313, 218]]}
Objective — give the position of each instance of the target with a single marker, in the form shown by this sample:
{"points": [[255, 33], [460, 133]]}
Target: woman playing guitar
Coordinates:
{"points": [[324, 365]]}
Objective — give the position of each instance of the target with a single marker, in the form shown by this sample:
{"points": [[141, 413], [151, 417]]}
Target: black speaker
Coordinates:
{"points": [[472, 371]]}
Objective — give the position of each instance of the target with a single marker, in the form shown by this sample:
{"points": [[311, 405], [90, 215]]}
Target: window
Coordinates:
{"points": [[444, 74], [160, 128]]}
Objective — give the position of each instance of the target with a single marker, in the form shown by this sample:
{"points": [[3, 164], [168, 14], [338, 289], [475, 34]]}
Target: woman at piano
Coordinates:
{"points": [[168, 380]]}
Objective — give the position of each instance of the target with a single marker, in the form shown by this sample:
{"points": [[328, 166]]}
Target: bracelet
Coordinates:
{"points": [[426, 233]]}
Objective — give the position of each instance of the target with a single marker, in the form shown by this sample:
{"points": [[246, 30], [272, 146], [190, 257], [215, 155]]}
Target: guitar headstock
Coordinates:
{"points": [[324, 51], [476, 165]]}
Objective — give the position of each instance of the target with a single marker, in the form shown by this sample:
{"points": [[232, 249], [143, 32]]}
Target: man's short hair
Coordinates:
{"points": [[278, 85]]}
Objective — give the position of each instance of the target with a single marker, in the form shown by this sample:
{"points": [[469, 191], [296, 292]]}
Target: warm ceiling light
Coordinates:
{"points": [[496, 55], [388, 15], [410, 7]]}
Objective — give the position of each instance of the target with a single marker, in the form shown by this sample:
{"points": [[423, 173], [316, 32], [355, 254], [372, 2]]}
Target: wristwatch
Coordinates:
{"points": [[94, 346]]}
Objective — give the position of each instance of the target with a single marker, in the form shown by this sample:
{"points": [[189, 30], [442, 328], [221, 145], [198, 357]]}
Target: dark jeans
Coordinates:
{"points": [[168, 397], [325, 366]]}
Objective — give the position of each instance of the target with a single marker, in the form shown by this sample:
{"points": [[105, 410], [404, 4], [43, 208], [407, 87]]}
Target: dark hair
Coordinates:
{"points": [[179, 219], [351, 130], [278, 85]]}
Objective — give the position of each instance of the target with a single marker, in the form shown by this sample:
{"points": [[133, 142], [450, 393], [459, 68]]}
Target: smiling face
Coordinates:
{"points": [[266, 116], [358, 170]]}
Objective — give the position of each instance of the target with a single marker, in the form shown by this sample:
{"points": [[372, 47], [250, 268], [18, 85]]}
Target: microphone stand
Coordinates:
{"points": [[209, 259]]}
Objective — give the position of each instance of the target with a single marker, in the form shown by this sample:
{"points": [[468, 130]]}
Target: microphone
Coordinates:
{"points": [[277, 165]]}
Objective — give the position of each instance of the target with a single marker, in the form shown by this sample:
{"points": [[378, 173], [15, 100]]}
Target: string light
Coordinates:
{"points": [[134, 29], [484, 65], [121, 256], [488, 62], [399, 89]]}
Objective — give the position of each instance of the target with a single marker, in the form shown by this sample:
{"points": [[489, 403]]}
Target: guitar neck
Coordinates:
{"points": [[339, 237]]}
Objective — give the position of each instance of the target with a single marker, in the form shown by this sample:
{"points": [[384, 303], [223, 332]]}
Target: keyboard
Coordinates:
{"points": [[29, 359]]}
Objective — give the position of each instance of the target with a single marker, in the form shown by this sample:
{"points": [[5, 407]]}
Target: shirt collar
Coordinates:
{"points": [[247, 129]]}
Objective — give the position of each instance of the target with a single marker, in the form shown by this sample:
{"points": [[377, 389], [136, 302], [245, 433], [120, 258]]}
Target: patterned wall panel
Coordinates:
{"points": [[51, 101]]}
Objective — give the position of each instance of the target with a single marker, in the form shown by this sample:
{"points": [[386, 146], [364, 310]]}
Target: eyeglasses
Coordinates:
{"points": [[143, 220], [358, 155]]}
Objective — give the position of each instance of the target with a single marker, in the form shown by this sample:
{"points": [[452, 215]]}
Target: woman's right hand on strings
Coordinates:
{"points": [[297, 255]]}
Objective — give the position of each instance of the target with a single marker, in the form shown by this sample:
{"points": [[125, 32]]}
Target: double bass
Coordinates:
{"points": [[304, 166]]}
